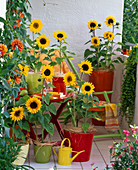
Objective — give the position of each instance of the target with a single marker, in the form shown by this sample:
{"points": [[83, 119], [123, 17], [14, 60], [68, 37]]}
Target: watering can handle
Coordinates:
{"points": [[64, 141], [55, 152]]}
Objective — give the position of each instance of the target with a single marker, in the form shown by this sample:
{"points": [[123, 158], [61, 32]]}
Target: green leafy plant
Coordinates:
{"points": [[128, 88], [103, 47], [130, 22]]}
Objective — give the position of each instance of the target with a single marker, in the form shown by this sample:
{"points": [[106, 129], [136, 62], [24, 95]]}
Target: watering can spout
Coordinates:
{"points": [[76, 154]]}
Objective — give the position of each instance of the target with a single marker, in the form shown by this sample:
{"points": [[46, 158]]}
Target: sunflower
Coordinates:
{"points": [[85, 67], [111, 35], [43, 41], [92, 24], [47, 72], [17, 43], [60, 35], [87, 88], [95, 41], [110, 21], [36, 26], [69, 79], [24, 69], [17, 113], [33, 105], [3, 49], [106, 34]]}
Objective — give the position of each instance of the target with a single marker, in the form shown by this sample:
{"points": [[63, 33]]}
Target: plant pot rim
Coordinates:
{"points": [[44, 143], [101, 69]]}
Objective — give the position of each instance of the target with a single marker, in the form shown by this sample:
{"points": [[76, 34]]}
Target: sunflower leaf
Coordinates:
{"points": [[52, 108], [49, 128]]}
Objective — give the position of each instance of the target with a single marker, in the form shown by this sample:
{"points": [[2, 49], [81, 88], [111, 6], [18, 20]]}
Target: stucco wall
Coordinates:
{"points": [[2, 9]]}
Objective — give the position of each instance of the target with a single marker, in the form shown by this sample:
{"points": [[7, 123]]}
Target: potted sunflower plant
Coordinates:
{"points": [[36, 109], [101, 55], [80, 132], [60, 36], [37, 46]]}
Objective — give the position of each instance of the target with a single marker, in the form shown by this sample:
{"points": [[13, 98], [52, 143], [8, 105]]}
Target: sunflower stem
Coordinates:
{"points": [[74, 113], [36, 132], [13, 126], [42, 134], [60, 57]]}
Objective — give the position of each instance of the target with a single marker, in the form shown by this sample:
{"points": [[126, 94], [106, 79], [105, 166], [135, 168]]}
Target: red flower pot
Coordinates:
{"points": [[103, 81], [79, 142], [59, 85]]}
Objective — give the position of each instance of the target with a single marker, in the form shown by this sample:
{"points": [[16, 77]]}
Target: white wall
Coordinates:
{"points": [[2, 9], [72, 16]]}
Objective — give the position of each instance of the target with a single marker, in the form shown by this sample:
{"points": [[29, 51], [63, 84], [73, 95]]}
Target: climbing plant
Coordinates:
{"points": [[128, 88], [130, 21]]}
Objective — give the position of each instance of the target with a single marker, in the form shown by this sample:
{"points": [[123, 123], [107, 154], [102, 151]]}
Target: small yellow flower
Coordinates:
{"points": [[110, 21], [87, 88], [24, 69], [92, 24], [43, 41], [106, 34], [95, 41], [60, 35], [10, 81], [111, 35], [33, 105], [17, 113], [69, 79], [48, 72], [85, 67], [36, 26], [10, 54]]}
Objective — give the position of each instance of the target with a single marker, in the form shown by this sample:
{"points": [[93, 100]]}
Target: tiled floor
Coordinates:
{"points": [[99, 155]]}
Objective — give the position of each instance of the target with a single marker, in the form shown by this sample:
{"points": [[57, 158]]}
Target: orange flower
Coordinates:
{"points": [[21, 15], [17, 43], [10, 81], [3, 49], [10, 54], [17, 80], [18, 25]]}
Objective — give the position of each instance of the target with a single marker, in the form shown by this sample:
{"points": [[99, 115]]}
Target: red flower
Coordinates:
{"points": [[17, 43]]}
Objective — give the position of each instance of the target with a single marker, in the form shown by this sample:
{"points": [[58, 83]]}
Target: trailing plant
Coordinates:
{"points": [[128, 88], [130, 21]]}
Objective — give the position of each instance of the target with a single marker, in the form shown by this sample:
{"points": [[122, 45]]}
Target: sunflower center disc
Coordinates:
{"points": [[35, 25], [60, 35], [69, 79], [95, 41], [92, 25], [47, 72], [43, 41], [87, 88], [85, 67], [33, 105], [17, 113], [110, 21]]}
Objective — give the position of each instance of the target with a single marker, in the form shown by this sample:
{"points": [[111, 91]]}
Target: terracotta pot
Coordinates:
{"points": [[59, 84], [103, 81], [33, 81], [79, 142]]}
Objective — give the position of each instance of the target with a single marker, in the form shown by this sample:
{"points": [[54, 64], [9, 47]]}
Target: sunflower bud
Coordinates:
{"points": [[99, 25], [117, 23]]}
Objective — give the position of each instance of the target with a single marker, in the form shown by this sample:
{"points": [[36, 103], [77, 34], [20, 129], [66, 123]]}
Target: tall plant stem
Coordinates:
{"points": [[60, 57], [74, 113], [42, 134], [36, 132]]}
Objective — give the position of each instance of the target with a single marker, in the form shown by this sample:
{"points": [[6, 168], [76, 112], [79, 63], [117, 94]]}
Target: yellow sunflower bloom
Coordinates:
{"points": [[92, 24], [43, 41], [36, 26], [69, 79], [24, 69], [106, 34], [85, 67], [60, 35], [33, 105], [111, 35], [17, 113], [48, 72], [95, 41], [87, 88], [110, 21]]}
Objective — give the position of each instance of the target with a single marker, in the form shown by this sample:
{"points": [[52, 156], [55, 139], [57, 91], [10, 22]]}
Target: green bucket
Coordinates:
{"points": [[42, 153], [33, 81]]}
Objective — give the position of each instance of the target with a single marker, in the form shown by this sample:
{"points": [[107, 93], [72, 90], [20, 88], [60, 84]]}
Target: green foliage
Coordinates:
{"points": [[130, 21], [128, 88]]}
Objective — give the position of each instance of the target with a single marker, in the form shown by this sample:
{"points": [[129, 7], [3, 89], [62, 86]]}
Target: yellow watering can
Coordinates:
{"points": [[64, 154]]}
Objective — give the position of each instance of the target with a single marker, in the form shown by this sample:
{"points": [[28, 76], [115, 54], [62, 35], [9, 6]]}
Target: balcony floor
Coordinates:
{"points": [[99, 155]]}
